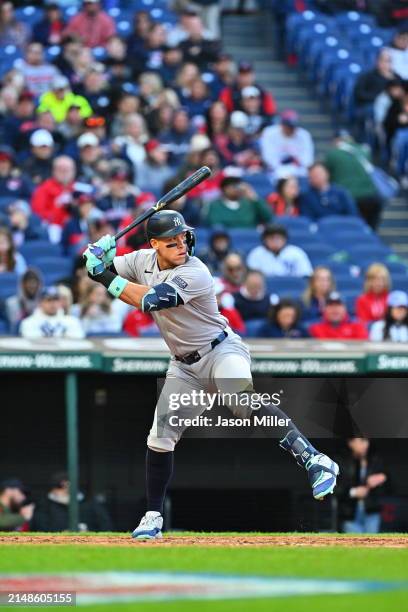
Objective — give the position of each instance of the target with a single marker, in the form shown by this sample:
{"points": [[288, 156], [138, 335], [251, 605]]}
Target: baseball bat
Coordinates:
{"points": [[171, 196]]}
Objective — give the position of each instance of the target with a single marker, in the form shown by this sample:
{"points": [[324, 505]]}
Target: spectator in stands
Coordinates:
{"points": [[394, 326], [197, 48], [52, 513], [283, 321], [154, 171], [393, 91], [399, 53], [15, 515], [219, 245], [60, 99], [151, 55], [92, 25], [49, 320], [233, 272], [48, 31], [177, 138], [137, 322], [323, 198], [23, 304], [285, 200], [372, 304], [12, 31], [141, 27], [314, 299], [24, 224], [361, 487], [231, 96], [336, 324], [39, 165], [90, 153], [217, 121], [251, 104], [371, 83], [75, 234], [172, 61], [121, 194], [52, 198], [275, 257], [209, 12], [252, 300], [71, 48], [198, 101], [237, 148], [349, 166], [38, 74], [10, 259], [239, 206], [226, 306], [223, 71], [13, 184], [395, 117], [188, 207], [131, 144], [96, 312], [396, 130], [287, 149]]}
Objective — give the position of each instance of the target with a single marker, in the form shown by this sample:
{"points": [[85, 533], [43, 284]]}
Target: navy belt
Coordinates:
{"points": [[196, 355]]}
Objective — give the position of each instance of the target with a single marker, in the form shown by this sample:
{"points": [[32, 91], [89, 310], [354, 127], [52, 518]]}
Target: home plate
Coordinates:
{"points": [[118, 587]]}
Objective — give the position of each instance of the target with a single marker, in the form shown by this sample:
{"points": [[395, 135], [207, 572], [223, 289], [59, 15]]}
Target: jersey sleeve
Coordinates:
{"points": [[190, 282], [129, 266]]}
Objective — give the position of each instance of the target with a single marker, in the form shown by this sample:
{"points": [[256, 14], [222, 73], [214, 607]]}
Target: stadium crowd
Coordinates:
{"points": [[104, 108]]}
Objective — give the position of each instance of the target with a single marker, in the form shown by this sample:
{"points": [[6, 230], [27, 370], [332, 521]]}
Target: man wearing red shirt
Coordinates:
{"points": [[92, 25], [336, 323], [51, 199]]}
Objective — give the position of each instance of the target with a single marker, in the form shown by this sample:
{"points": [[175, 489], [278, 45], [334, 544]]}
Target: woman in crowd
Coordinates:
{"points": [[372, 304], [10, 260], [321, 283], [394, 326], [285, 200], [217, 121], [283, 322], [23, 304]]}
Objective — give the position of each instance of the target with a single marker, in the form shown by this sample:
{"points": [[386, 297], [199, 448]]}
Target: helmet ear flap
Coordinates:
{"points": [[191, 240]]}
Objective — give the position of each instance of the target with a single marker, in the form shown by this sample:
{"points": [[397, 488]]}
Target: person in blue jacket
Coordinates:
{"points": [[323, 198]]}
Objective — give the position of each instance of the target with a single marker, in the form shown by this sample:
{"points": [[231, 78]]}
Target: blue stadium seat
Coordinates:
{"points": [[298, 223], [244, 239], [350, 297], [339, 223], [8, 284], [286, 286], [35, 249], [396, 267], [319, 253], [352, 19], [54, 268], [345, 282], [343, 239], [360, 253], [29, 14], [252, 327], [340, 267], [260, 182], [4, 328], [202, 234], [400, 281]]}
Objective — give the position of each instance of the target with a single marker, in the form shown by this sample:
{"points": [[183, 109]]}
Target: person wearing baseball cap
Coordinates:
{"points": [[60, 99], [286, 148], [336, 323], [154, 171], [49, 319], [14, 516], [231, 95], [276, 257], [39, 165], [394, 326], [92, 25]]}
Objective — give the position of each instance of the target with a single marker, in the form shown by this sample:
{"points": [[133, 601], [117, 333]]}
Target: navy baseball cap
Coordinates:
{"points": [[397, 299], [50, 293], [12, 483], [334, 297]]}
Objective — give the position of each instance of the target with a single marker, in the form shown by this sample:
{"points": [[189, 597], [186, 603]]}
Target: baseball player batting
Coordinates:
{"points": [[172, 284]]}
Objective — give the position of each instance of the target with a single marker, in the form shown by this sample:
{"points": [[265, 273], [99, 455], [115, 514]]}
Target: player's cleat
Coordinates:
{"points": [[149, 527], [322, 472]]}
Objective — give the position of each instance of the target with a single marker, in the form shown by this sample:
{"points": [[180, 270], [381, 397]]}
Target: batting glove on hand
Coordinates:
{"points": [[94, 264], [107, 249]]}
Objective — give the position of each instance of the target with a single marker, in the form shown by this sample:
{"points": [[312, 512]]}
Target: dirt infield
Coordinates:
{"points": [[171, 540]]}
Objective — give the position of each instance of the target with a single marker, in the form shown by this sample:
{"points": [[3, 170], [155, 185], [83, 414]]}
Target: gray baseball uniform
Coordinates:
{"points": [[186, 328]]}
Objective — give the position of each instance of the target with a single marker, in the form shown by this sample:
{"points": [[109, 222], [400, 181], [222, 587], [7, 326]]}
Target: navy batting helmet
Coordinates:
{"points": [[168, 223]]}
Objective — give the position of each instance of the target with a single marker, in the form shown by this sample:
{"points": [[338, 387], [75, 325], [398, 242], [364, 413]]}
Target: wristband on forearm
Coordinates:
{"points": [[115, 284]]}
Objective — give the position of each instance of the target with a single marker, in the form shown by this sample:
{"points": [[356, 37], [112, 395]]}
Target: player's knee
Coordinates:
{"points": [[161, 445]]}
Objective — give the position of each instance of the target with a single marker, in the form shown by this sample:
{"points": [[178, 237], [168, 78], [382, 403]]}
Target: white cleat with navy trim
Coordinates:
{"points": [[150, 527], [322, 472]]}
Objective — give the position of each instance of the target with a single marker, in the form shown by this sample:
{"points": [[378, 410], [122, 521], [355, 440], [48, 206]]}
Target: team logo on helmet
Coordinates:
{"points": [[177, 221]]}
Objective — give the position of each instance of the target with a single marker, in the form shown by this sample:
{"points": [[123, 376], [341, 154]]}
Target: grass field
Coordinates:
{"points": [[346, 560]]}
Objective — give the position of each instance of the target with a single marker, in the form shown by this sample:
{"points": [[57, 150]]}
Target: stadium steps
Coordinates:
{"points": [[394, 226], [251, 38]]}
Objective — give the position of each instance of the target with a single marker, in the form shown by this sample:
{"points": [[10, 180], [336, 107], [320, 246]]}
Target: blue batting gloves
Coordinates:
{"points": [[94, 264], [105, 249]]}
